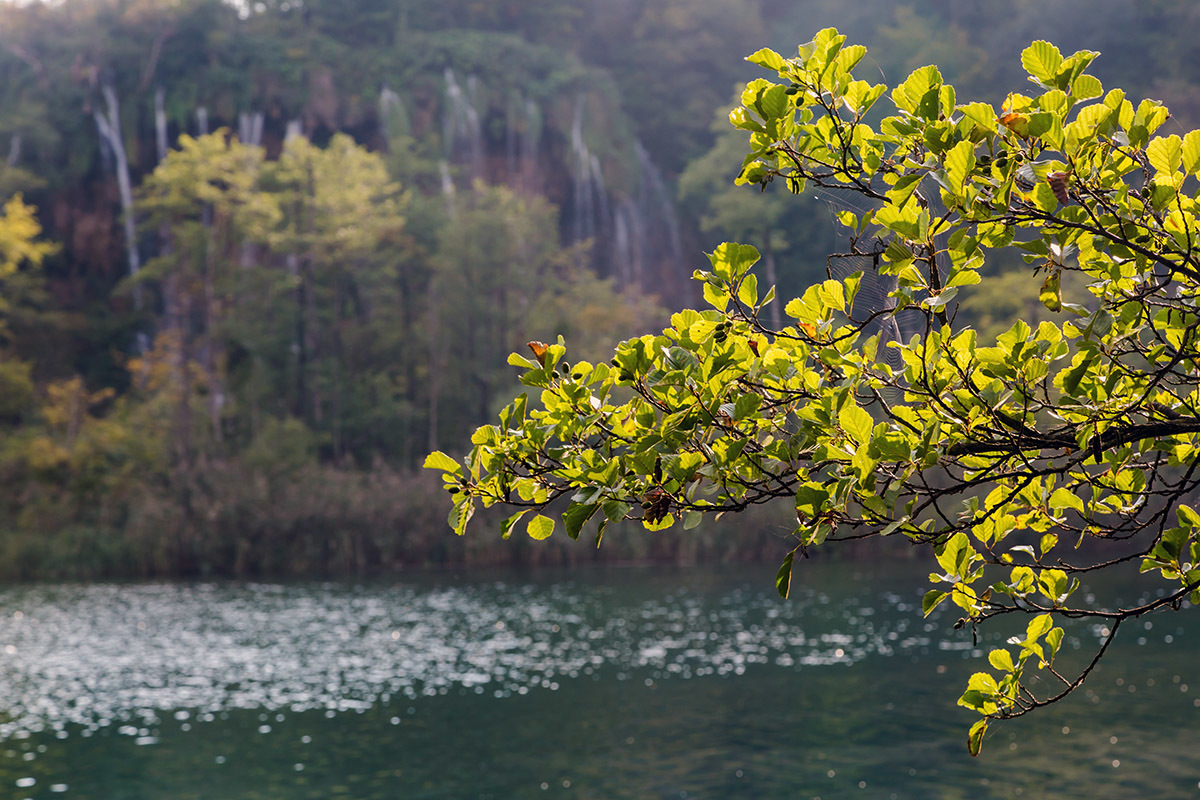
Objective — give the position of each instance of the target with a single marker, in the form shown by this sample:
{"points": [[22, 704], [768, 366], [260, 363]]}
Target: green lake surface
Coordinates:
{"points": [[598, 683]]}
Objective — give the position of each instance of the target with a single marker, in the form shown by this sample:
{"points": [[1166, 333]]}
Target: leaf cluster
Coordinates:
{"points": [[1022, 463]]}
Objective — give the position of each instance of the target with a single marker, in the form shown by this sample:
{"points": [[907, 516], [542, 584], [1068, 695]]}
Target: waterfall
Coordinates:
{"points": [[201, 121], [294, 128], [461, 127], [392, 119], [592, 217], [109, 126], [14, 150], [250, 128], [628, 257], [656, 203], [583, 216], [603, 220], [529, 143], [522, 139], [160, 124], [447, 187]]}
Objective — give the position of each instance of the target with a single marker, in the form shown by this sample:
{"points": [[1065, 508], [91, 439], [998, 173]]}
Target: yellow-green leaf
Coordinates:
{"points": [[439, 460], [1191, 152], [960, 160], [1042, 60], [540, 527], [856, 422], [1165, 154]]}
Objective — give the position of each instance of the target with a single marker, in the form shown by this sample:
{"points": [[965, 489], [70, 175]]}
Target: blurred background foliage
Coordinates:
{"points": [[257, 258]]}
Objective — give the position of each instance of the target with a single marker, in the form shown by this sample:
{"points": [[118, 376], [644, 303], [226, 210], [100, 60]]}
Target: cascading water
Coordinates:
{"points": [[627, 264], [590, 210], [391, 114], [447, 186], [14, 150], [109, 126], [294, 128], [462, 131], [655, 203], [634, 230], [160, 124], [201, 121], [530, 142], [250, 128], [522, 138]]}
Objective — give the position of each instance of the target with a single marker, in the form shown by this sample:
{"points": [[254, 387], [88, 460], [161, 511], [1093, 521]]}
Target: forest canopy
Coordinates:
{"points": [[1019, 462]]}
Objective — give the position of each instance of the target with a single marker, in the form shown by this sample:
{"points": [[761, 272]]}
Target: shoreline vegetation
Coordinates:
{"points": [[322, 521]]}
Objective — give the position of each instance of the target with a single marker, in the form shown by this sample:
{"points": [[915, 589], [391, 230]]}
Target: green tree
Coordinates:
{"points": [[338, 206], [21, 255], [206, 198], [1020, 463], [502, 279]]}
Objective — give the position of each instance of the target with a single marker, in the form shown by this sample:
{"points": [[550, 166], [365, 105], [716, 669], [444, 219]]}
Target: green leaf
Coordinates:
{"points": [[576, 516], [1001, 660], [1065, 498], [811, 499], [510, 523], [1037, 627], [1086, 87], [960, 161], [1054, 640], [955, 551], [540, 527], [1191, 152], [439, 460], [783, 578], [856, 422], [777, 361], [931, 600], [981, 114], [1042, 60], [913, 95], [975, 737], [461, 514], [731, 260], [1165, 154], [773, 103], [717, 298], [615, 510], [768, 59], [748, 291]]}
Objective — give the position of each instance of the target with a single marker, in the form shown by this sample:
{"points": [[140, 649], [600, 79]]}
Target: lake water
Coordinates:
{"points": [[612, 683]]}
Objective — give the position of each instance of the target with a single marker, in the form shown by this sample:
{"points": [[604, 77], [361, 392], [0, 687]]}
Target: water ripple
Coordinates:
{"points": [[95, 656]]}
